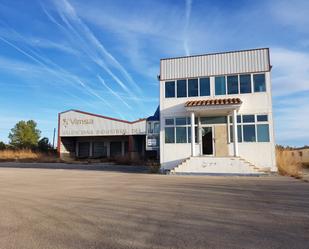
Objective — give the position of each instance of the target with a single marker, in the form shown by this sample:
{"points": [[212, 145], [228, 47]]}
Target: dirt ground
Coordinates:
{"points": [[59, 208]]}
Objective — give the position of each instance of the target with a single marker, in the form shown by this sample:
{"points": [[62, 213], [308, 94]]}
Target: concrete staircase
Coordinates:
{"points": [[218, 166]]}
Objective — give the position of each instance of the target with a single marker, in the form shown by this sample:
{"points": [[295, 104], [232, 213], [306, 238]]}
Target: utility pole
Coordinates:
{"points": [[54, 138]]}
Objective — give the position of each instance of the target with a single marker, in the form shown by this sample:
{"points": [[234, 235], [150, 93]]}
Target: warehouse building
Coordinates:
{"points": [[214, 116]]}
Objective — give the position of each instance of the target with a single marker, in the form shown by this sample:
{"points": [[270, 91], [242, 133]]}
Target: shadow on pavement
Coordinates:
{"points": [[96, 166]]}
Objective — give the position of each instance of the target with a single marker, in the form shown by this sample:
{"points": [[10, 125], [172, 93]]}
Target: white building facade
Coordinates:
{"points": [[216, 109]]}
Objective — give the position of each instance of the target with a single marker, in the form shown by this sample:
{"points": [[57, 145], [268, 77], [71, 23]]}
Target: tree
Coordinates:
{"points": [[2, 146], [25, 135], [44, 145]]}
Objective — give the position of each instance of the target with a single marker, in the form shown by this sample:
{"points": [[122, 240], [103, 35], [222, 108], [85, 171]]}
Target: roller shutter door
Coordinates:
{"points": [[83, 149], [99, 150], [115, 149]]}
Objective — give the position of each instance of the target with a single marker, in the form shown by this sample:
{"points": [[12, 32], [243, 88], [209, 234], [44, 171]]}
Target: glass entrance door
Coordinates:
{"points": [[207, 141]]}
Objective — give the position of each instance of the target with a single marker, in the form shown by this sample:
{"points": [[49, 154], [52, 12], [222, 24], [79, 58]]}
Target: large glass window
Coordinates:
{"points": [[232, 84], [263, 133], [220, 85], [204, 87], [249, 133], [245, 83], [192, 87], [170, 89], [181, 134], [181, 88], [259, 82], [213, 120], [169, 135]]}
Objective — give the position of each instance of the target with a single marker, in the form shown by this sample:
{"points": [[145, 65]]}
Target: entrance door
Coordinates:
{"points": [[207, 141]]}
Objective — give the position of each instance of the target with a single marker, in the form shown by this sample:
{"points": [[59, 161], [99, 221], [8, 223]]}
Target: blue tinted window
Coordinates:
{"points": [[214, 120], [262, 118], [181, 121], [192, 87], [169, 121], [245, 83], [263, 133], [204, 87], [249, 133], [259, 82], [239, 135], [220, 85], [170, 89], [169, 135], [248, 118], [232, 84], [181, 134], [181, 88]]}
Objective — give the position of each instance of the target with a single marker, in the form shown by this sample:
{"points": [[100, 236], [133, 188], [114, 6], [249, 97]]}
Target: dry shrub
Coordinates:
{"points": [[287, 164], [26, 156]]}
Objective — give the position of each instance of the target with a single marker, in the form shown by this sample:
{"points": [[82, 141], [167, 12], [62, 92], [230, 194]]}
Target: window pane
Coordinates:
{"points": [[249, 133], [169, 121], [263, 133], [261, 118], [181, 121], [181, 134], [248, 118], [169, 135], [220, 85], [196, 135], [232, 84], [204, 87], [156, 128], [259, 82], [170, 89], [245, 83], [181, 88], [239, 134], [214, 120], [238, 119], [193, 87]]}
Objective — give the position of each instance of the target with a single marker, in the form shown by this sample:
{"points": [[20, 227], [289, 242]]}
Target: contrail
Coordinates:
{"points": [[187, 22], [113, 92], [68, 10]]}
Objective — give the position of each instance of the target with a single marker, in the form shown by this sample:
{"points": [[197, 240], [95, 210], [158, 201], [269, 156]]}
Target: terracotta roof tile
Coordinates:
{"points": [[225, 101]]}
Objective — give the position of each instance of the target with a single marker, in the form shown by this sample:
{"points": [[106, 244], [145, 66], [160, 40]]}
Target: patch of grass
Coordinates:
{"points": [[27, 156], [287, 164]]}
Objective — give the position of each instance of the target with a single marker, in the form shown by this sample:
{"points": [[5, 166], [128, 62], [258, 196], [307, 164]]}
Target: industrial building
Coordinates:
{"points": [[215, 116]]}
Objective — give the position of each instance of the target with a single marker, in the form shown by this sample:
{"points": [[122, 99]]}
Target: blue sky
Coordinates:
{"points": [[103, 56]]}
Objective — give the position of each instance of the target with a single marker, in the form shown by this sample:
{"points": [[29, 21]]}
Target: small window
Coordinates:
{"points": [[169, 135], [193, 87], [239, 133], [181, 121], [249, 133], [262, 118], [248, 118], [169, 121], [156, 128], [204, 87], [245, 83], [232, 84], [263, 133], [220, 86], [181, 88], [259, 83], [170, 89], [181, 134]]}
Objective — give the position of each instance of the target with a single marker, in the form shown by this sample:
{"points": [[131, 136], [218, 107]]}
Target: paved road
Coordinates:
{"points": [[44, 208]]}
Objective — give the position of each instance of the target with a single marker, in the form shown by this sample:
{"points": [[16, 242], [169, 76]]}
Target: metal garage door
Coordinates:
{"points": [[98, 149], [115, 149], [83, 149]]}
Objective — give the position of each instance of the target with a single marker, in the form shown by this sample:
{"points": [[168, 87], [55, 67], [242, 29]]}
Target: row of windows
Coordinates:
{"points": [[251, 128], [187, 88], [231, 84]]}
